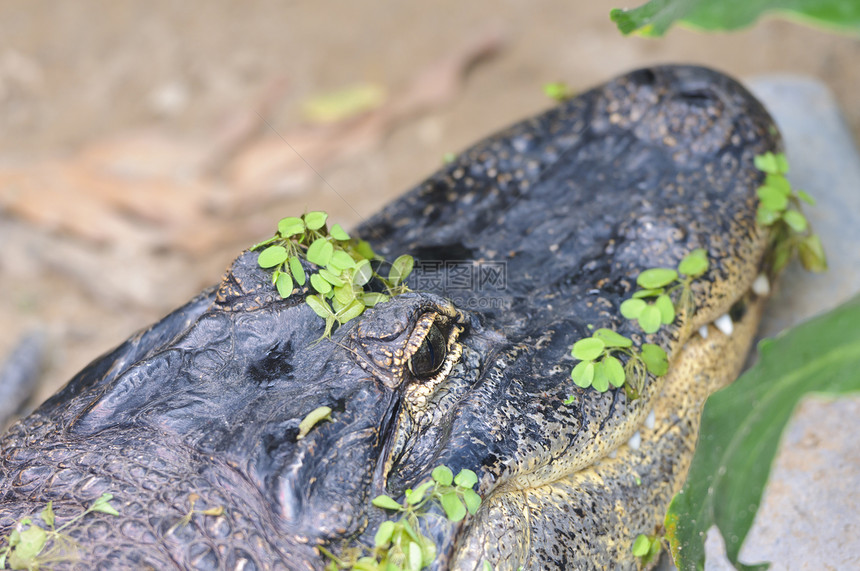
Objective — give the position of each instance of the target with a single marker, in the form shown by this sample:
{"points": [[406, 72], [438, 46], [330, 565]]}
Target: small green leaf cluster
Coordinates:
{"points": [[779, 209], [558, 90], [599, 367], [25, 545], [646, 548], [400, 545], [345, 267], [659, 284]]}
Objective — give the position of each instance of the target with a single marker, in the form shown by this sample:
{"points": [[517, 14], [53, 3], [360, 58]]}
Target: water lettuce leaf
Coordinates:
{"points": [[654, 18], [731, 466]]}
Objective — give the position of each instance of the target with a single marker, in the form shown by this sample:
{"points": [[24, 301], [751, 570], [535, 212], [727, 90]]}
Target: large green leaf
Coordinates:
{"points": [[742, 425], [654, 18]]}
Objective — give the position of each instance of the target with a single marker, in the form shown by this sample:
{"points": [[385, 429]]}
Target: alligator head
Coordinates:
{"points": [[524, 244]]}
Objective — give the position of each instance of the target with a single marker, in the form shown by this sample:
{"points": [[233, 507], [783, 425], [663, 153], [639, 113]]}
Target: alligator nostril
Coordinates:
{"points": [[643, 76], [696, 95]]}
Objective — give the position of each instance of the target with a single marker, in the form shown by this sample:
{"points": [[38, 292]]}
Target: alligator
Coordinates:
{"points": [[523, 244]]}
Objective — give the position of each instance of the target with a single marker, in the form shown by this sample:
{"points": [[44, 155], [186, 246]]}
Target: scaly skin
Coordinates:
{"points": [[573, 204]]}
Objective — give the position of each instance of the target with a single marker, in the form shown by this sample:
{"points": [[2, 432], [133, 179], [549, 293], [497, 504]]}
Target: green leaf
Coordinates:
{"points": [[338, 233], [320, 252], [643, 293], [351, 311], [336, 304], [631, 308], [320, 284], [362, 273], [102, 505], [812, 254], [344, 294], [666, 308], [30, 544], [655, 359], [443, 475], [588, 349], [766, 163], [795, 220], [558, 90], [315, 220], [373, 298], [290, 226], [47, 514], [781, 254], [428, 549], [415, 557], [650, 319], [330, 278], [730, 467], [272, 256], [656, 278], [472, 499], [320, 306], [805, 197], [383, 534], [466, 478], [641, 546], [765, 216], [781, 161], [386, 503], [582, 374], [413, 535], [342, 260], [284, 285], [614, 370], [297, 270], [400, 269], [600, 382], [418, 493], [313, 418], [612, 339], [694, 264], [778, 182], [344, 103], [364, 250], [454, 508], [771, 198]]}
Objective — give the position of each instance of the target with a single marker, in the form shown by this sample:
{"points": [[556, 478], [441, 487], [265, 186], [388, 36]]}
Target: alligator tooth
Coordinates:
{"points": [[651, 420], [703, 331], [635, 441], [724, 324], [761, 285]]}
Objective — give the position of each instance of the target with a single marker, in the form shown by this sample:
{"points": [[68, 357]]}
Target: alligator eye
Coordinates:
{"points": [[430, 356]]}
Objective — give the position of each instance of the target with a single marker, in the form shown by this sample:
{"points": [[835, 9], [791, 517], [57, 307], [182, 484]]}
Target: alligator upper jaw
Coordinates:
{"points": [[642, 470]]}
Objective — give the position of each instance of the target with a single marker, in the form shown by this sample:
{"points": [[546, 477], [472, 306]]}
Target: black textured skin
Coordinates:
{"points": [[575, 202]]}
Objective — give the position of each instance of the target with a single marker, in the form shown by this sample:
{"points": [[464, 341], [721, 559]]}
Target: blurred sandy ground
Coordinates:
{"points": [[124, 186]]}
